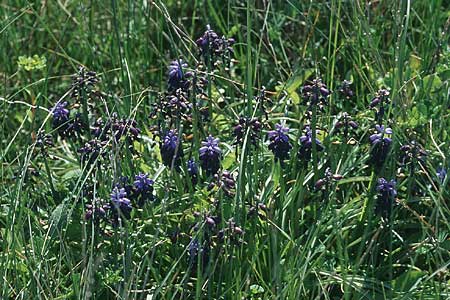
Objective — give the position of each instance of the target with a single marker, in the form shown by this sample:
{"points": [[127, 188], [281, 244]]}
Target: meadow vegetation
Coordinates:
{"points": [[202, 149]]}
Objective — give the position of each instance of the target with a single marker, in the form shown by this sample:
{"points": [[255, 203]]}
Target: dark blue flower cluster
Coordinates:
{"points": [[386, 194], [120, 204], [327, 179], [224, 181], [97, 211], [345, 90], [253, 125], [412, 155], [379, 104], [171, 149], [306, 145], [64, 124], [123, 198], [210, 155], [179, 75], [315, 93], [279, 142], [345, 124], [215, 49], [192, 170], [381, 144], [143, 189]]}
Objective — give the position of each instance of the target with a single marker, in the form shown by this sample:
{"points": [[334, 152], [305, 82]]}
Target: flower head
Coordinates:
{"points": [[379, 104], [177, 75], [212, 46], [254, 126], [143, 189], [315, 93], [224, 181], [96, 211], [142, 183], [120, 203], [306, 145], [345, 124], [279, 142], [192, 170], [387, 188], [124, 128], [91, 151], [380, 136], [210, 155], [380, 145], [60, 113], [171, 150], [386, 194], [119, 197], [412, 153], [83, 82], [345, 90]]}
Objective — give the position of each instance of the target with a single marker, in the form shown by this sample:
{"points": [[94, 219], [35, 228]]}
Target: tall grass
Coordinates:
{"points": [[297, 241]]}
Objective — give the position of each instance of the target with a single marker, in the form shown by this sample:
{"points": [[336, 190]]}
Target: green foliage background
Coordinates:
{"points": [[308, 245]]}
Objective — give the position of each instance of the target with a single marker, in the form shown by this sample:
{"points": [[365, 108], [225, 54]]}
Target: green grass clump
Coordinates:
{"points": [[316, 224]]}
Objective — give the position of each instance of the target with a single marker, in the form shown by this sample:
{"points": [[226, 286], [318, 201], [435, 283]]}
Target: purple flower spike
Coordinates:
{"points": [[380, 145], [192, 170], [60, 112], [306, 143], [142, 183], [279, 142], [386, 194], [387, 188], [379, 137], [171, 150], [120, 203], [119, 197], [177, 75], [210, 155]]}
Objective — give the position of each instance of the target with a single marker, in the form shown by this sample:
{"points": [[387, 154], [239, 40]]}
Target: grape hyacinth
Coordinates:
{"points": [[412, 154], [386, 194], [279, 142], [120, 203], [171, 150], [192, 170], [124, 128], [210, 155], [379, 104], [143, 188], [306, 145], [327, 179], [224, 181], [91, 150], [43, 142], [60, 114], [346, 124], [254, 126], [177, 76], [315, 93], [142, 183], [96, 211], [211, 46], [380, 144], [75, 126], [83, 82]]}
